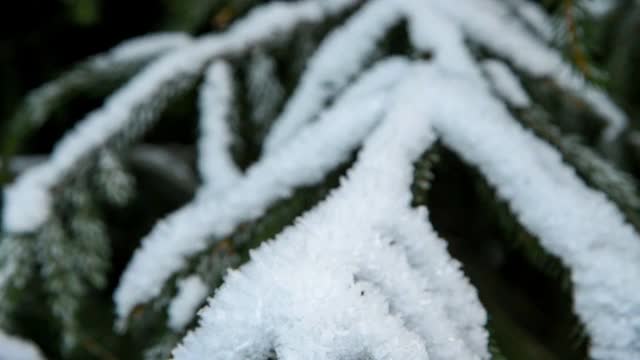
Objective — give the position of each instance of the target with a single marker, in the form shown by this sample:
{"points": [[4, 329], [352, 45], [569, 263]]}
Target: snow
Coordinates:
{"points": [[362, 274], [599, 8], [535, 16], [484, 134], [431, 31], [489, 23], [216, 165], [13, 348], [304, 286], [28, 202], [145, 47], [552, 203], [316, 150], [555, 226], [192, 292], [351, 277], [131, 52], [327, 74], [506, 84]]}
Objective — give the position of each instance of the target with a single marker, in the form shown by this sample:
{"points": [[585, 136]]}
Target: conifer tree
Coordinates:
{"points": [[332, 179]]}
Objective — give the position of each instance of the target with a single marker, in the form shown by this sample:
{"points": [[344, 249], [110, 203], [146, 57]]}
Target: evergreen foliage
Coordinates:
{"points": [[332, 179]]}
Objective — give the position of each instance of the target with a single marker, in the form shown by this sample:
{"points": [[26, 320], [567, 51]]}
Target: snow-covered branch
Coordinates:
{"points": [[350, 279], [327, 74], [363, 274], [125, 57], [13, 348], [130, 110], [523, 169], [192, 292], [489, 23], [506, 84], [319, 148], [216, 102], [535, 17], [552, 203]]}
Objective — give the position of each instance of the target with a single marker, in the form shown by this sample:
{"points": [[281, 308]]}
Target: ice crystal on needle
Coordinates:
{"points": [[344, 281], [357, 272]]}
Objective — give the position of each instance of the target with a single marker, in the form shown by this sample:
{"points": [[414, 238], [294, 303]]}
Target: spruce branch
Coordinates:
{"points": [[99, 73], [217, 168], [330, 257], [559, 226], [482, 19], [361, 254], [188, 230], [326, 75], [592, 167], [133, 108]]}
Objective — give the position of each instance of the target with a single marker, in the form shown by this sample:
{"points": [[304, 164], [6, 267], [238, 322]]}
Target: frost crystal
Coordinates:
{"points": [[489, 23], [363, 275], [327, 73], [350, 279], [334, 135], [554, 204], [28, 204]]}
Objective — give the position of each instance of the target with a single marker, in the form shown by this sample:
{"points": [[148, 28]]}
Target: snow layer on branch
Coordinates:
{"points": [[535, 17], [599, 7], [145, 47], [506, 84], [216, 165], [319, 148], [431, 31], [116, 62], [13, 348], [192, 292], [362, 274], [489, 23], [337, 61], [28, 202], [554, 204]]}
